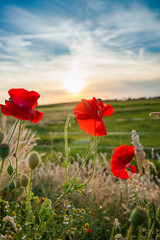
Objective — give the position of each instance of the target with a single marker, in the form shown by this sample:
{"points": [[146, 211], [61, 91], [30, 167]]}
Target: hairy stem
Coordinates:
{"points": [[74, 179], [13, 131]]}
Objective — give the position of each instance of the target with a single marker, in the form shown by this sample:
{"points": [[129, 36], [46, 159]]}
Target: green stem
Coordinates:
{"points": [[12, 179], [150, 233], [15, 154], [28, 203], [129, 234], [1, 168], [84, 161], [140, 233], [94, 162], [66, 143], [13, 130], [112, 234]]}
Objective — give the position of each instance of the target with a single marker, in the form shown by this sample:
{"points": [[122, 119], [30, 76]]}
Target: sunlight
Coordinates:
{"points": [[74, 81]]}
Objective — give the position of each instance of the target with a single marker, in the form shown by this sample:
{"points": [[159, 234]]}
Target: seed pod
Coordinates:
{"points": [[10, 170], [24, 180], [11, 186], [4, 150], [1, 137], [138, 216], [33, 160]]}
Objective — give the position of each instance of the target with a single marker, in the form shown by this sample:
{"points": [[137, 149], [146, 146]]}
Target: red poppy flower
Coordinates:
{"points": [[22, 105], [89, 231], [89, 115], [120, 160]]}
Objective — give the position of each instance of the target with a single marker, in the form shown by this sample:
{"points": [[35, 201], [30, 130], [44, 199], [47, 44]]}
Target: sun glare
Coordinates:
{"points": [[74, 81]]}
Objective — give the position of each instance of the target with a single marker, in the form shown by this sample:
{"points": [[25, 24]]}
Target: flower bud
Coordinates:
{"points": [[33, 160], [1, 137], [4, 150], [24, 180], [11, 186], [10, 170], [138, 216]]}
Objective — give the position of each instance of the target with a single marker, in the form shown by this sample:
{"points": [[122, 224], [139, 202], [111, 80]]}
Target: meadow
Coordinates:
{"points": [[54, 190], [128, 116]]}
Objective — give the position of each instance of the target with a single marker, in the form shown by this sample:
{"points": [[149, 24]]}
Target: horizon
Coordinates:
{"points": [[68, 50]]}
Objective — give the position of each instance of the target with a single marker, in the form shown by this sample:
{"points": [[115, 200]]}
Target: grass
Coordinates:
{"points": [[128, 115]]}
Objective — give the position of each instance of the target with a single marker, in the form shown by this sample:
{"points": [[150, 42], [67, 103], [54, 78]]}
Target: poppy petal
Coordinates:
{"points": [[107, 110], [89, 116], [5, 110], [124, 154], [21, 112], [132, 169], [23, 97], [92, 127], [120, 160], [120, 173]]}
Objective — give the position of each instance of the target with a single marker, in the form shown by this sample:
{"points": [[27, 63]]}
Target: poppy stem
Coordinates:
{"points": [[13, 131], [94, 162], [15, 154], [1, 167], [129, 234], [66, 162], [74, 179], [28, 202]]}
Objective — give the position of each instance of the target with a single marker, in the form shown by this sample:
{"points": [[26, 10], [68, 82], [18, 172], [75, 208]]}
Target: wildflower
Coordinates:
{"points": [[84, 229], [89, 231], [54, 214], [87, 225], [13, 214], [120, 160], [81, 217], [82, 210], [41, 200], [75, 211], [22, 104], [89, 115]]}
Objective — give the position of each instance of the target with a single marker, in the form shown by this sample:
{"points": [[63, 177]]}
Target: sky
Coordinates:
{"points": [[67, 50]]}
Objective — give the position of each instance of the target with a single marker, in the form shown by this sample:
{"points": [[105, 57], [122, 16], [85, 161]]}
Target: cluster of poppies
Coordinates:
{"points": [[89, 115]]}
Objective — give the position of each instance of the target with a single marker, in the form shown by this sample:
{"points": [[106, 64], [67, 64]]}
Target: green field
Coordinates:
{"points": [[128, 116]]}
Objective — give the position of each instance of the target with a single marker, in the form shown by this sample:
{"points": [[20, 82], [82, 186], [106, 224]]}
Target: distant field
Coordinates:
{"points": [[128, 115]]}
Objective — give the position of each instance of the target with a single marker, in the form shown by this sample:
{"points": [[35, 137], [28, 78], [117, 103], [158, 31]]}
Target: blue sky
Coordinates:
{"points": [[72, 49]]}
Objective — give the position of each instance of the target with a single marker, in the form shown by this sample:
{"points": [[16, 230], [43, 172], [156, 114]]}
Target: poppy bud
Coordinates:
{"points": [[4, 150], [33, 160], [24, 180], [11, 186], [10, 170], [138, 216]]}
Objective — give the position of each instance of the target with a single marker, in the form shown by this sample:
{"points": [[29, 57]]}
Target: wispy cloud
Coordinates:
{"points": [[116, 47]]}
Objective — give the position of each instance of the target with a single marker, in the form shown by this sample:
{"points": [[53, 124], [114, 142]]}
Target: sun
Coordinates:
{"points": [[74, 81]]}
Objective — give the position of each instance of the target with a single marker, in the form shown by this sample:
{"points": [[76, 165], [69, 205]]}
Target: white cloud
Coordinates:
{"points": [[115, 46]]}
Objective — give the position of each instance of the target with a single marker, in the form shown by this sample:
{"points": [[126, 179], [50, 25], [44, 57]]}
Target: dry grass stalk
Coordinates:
{"points": [[156, 114], [140, 154], [104, 189], [26, 144], [11, 220]]}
